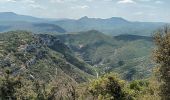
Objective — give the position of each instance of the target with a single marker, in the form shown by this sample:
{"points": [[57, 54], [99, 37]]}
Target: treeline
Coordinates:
{"points": [[107, 87], [19, 88]]}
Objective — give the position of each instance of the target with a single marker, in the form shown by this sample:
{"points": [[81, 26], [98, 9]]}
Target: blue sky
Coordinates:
{"points": [[134, 10]]}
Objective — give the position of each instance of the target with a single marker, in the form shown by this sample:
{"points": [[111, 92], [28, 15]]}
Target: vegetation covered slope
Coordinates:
{"points": [[126, 54], [30, 59], [162, 57], [40, 57]]}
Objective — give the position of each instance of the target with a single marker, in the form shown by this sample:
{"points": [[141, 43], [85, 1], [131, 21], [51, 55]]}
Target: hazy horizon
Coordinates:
{"points": [[132, 10], [82, 17]]}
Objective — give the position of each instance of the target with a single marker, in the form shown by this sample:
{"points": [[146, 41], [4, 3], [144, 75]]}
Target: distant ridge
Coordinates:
{"points": [[10, 21], [11, 16], [112, 26]]}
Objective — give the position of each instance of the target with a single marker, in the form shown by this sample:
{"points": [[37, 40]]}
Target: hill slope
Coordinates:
{"points": [[123, 54], [42, 57]]}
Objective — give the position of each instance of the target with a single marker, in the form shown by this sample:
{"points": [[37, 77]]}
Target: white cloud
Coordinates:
{"points": [[138, 13], [80, 7], [126, 2], [58, 1], [107, 0], [11, 0], [159, 2], [36, 6], [6, 1], [62, 1], [145, 0], [17, 1], [84, 7], [89, 0], [28, 1]]}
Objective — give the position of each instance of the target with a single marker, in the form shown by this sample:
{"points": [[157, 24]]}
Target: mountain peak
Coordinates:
{"points": [[92, 33], [112, 19], [8, 13], [11, 16], [118, 19], [85, 17]]}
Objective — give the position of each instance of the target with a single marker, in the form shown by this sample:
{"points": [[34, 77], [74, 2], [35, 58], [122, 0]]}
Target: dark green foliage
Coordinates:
{"points": [[12, 88], [8, 87], [121, 63], [128, 37], [138, 85], [108, 87], [41, 91]]}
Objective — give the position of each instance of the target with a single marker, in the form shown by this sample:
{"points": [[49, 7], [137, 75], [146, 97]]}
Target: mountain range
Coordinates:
{"points": [[10, 21], [112, 26], [113, 44], [11, 16]]}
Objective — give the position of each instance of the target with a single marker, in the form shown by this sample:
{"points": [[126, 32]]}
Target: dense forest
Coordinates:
{"points": [[83, 59], [49, 67]]}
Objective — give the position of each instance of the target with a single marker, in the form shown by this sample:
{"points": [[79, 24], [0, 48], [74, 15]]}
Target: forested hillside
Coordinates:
{"points": [[41, 57], [128, 55], [49, 61], [84, 50], [50, 67]]}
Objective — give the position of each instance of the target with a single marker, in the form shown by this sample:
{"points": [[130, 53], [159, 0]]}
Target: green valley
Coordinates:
{"points": [[107, 53], [83, 58]]}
